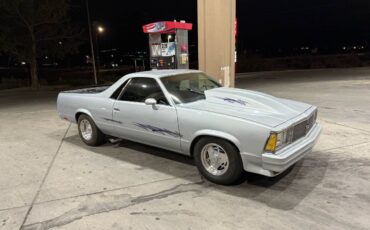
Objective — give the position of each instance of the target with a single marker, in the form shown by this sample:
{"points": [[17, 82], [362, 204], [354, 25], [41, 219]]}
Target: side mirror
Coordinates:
{"points": [[152, 102]]}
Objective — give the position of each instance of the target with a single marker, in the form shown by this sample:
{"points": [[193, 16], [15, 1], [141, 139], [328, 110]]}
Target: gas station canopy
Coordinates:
{"points": [[166, 27]]}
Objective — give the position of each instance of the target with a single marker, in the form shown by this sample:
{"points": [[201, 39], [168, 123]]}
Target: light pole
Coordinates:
{"points": [[91, 42], [99, 30]]}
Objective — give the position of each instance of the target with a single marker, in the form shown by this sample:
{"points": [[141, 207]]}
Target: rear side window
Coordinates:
{"points": [[140, 89], [118, 91]]}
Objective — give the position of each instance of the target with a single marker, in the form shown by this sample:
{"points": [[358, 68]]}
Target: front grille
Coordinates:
{"points": [[301, 129]]}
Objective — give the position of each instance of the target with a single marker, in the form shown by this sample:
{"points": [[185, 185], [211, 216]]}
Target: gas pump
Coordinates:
{"points": [[168, 44]]}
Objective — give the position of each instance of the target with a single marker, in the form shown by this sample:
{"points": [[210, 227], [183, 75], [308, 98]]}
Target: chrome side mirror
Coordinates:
{"points": [[152, 102]]}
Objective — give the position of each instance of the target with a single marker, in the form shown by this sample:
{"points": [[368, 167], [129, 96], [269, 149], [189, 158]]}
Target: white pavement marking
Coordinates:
{"points": [[44, 178]]}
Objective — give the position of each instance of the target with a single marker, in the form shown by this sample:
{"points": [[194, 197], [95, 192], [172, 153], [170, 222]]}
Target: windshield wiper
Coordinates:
{"points": [[194, 91]]}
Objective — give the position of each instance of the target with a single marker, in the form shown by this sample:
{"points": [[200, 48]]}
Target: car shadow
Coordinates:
{"points": [[283, 192]]}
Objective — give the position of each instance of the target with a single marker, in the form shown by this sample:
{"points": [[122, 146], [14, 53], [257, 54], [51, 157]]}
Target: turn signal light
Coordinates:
{"points": [[271, 143]]}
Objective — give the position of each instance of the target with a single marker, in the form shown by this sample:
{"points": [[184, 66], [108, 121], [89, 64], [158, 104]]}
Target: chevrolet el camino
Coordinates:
{"points": [[226, 130]]}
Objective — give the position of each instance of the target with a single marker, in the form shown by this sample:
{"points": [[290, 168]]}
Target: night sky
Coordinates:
{"points": [[124, 20], [286, 23], [269, 24]]}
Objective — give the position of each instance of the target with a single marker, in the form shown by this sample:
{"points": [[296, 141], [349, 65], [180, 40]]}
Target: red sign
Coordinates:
{"points": [[166, 27]]}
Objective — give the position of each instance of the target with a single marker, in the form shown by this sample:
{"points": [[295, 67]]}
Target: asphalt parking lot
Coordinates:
{"points": [[50, 180]]}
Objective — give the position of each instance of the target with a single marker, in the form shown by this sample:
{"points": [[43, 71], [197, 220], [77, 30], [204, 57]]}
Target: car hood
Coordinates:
{"points": [[250, 105]]}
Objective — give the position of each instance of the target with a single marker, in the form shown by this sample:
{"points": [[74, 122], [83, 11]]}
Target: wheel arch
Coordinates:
{"points": [[79, 112], [212, 133]]}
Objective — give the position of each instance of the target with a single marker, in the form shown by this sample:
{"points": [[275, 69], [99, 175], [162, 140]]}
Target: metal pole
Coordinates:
{"points": [[91, 42], [97, 53]]}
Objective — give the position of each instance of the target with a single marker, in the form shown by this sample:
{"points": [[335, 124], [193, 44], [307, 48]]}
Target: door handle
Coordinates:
{"points": [[116, 109]]}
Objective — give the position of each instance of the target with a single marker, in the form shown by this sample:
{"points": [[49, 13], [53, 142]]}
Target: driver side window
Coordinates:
{"points": [[140, 89]]}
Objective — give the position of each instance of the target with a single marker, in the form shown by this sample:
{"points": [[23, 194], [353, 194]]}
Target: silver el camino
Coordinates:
{"points": [[227, 131]]}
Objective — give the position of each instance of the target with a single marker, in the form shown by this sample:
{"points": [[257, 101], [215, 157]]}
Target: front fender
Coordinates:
{"points": [[214, 133]]}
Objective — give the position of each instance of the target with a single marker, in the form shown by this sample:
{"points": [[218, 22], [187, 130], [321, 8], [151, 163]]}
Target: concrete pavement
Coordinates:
{"points": [[51, 180]]}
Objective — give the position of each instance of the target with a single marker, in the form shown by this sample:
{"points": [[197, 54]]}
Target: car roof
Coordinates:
{"points": [[162, 73]]}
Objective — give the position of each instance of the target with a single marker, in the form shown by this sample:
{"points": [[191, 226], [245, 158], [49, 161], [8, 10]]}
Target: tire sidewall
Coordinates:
{"points": [[94, 138], [235, 169]]}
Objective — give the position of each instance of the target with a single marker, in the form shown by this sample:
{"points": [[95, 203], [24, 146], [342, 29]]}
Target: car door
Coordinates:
{"points": [[149, 124]]}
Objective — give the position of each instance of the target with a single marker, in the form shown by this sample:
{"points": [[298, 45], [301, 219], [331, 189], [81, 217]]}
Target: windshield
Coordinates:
{"points": [[185, 88]]}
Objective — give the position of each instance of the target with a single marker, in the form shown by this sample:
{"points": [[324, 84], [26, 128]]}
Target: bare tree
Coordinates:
{"points": [[34, 28]]}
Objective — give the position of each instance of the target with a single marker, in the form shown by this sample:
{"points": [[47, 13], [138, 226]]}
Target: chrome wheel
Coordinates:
{"points": [[214, 159], [86, 129]]}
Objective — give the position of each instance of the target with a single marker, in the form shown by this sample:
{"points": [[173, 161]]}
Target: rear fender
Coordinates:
{"points": [[84, 111]]}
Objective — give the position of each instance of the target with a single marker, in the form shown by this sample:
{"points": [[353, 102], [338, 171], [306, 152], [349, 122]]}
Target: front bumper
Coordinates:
{"points": [[276, 163]]}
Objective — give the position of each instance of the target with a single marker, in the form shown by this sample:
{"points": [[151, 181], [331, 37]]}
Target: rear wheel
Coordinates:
{"points": [[218, 160], [89, 132]]}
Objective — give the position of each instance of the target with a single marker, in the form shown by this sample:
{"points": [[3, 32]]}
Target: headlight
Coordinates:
{"points": [[277, 140], [281, 139]]}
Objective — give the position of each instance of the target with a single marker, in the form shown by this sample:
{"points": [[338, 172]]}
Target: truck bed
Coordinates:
{"points": [[88, 90]]}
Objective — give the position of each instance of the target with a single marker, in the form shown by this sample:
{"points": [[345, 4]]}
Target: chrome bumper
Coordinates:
{"points": [[286, 157]]}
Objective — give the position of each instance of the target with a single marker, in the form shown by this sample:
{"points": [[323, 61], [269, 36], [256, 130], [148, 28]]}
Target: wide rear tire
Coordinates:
{"points": [[89, 132]]}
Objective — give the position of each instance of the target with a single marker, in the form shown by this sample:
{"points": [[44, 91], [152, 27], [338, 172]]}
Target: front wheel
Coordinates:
{"points": [[89, 132], [218, 160]]}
